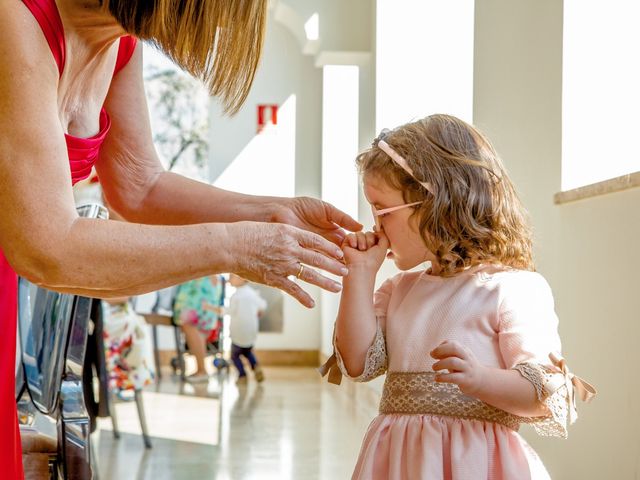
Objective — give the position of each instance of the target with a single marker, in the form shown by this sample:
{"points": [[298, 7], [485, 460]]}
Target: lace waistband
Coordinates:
{"points": [[418, 393]]}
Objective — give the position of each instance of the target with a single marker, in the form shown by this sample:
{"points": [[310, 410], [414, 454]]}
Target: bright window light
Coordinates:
{"points": [[424, 60], [267, 164], [340, 136], [312, 27], [600, 91]]}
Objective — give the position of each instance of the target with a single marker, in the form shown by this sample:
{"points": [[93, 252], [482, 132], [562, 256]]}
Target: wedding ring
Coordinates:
{"points": [[300, 271]]}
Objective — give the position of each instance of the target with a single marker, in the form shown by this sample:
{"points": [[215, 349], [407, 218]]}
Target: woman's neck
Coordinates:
{"points": [[91, 23]]}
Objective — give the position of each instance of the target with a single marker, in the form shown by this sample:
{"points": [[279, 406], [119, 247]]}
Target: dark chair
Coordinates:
{"points": [[53, 330], [103, 404]]}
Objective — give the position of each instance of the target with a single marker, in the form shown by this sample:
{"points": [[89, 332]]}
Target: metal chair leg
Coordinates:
{"points": [[143, 419], [180, 352], [156, 353]]}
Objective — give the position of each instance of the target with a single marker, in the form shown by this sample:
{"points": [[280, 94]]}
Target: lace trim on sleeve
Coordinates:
{"points": [[557, 403], [375, 362]]}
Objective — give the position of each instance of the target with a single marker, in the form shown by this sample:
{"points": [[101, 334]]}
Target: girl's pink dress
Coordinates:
{"points": [[429, 430], [83, 153]]}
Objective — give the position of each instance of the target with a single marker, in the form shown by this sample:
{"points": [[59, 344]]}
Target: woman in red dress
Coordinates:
{"points": [[71, 98]]}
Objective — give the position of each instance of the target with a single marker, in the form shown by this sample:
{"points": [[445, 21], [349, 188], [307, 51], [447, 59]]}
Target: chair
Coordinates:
{"points": [[96, 364], [156, 319], [53, 329], [160, 313]]}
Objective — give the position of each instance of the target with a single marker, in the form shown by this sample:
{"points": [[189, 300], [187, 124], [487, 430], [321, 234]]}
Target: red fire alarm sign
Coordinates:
{"points": [[267, 115]]}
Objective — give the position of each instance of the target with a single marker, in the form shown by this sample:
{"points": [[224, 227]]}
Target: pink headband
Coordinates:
{"points": [[402, 163]]}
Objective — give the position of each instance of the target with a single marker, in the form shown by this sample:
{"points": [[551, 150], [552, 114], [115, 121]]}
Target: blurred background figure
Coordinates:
{"points": [[196, 310], [127, 347], [245, 309]]}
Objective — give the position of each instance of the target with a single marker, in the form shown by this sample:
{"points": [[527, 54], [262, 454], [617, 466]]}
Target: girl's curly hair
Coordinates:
{"points": [[474, 215]]}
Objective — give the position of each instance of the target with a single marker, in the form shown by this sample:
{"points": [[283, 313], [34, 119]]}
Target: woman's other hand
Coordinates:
{"points": [[270, 253], [316, 216], [365, 249]]}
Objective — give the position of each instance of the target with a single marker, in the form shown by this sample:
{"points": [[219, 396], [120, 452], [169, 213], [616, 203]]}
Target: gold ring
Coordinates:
{"points": [[300, 271]]}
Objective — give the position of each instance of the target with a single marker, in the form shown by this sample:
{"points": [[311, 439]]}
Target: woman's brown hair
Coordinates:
{"points": [[218, 41], [474, 215]]}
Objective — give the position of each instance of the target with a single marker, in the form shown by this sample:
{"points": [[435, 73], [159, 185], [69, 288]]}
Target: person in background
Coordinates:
{"points": [[126, 346], [196, 310], [245, 309]]}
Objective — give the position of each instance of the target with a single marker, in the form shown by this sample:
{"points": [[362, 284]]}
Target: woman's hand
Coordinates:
{"points": [[316, 216], [365, 249], [464, 369], [270, 253]]}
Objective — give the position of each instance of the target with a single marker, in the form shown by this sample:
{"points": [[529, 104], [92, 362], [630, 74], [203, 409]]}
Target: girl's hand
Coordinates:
{"points": [[464, 369], [270, 253], [315, 216], [365, 249]]}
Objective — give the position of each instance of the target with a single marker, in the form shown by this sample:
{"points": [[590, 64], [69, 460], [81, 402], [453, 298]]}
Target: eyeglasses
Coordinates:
{"points": [[380, 213]]}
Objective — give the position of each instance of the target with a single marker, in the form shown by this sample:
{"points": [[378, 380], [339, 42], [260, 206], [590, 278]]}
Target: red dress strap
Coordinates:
{"points": [[46, 14], [48, 17], [125, 52]]}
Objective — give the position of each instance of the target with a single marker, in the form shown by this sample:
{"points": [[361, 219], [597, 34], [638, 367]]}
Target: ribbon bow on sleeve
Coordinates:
{"points": [[574, 385], [331, 367]]}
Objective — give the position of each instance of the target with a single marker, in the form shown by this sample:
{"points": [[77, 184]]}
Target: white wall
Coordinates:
{"points": [[585, 249], [283, 162]]}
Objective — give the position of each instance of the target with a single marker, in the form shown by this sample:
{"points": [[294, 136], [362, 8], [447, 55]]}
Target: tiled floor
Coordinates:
{"points": [[293, 426]]}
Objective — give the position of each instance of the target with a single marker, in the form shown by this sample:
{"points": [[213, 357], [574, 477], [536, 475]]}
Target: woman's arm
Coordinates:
{"points": [[45, 241], [356, 320], [138, 187]]}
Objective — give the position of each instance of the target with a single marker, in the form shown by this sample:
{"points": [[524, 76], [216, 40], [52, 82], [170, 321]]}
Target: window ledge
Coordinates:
{"points": [[617, 184]]}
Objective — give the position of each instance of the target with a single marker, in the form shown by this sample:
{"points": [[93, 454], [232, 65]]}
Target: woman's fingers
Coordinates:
{"points": [[318, 260], [341, 219], [315, 242], [293, 289], [313, 277]]}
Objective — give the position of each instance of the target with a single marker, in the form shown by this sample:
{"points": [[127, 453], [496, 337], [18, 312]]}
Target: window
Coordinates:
{"points": [[600, 91]]}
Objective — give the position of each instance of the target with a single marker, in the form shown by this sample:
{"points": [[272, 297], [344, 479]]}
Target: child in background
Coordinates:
{"points": [[245, 309], [470, 345], [196, 310]]}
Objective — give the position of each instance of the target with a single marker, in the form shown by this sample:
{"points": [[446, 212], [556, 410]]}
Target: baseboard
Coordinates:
{"points": [[268, 358], [288, 358]]}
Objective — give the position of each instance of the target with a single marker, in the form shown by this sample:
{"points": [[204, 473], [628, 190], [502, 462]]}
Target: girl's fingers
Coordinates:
{"points": [[352, 241], [362, 241], [449, 349], [453, 364], [371, 239], [383, 241]]}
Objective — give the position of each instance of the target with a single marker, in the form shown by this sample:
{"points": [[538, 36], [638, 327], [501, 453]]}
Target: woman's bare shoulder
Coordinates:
{"points": [[23, 47]]}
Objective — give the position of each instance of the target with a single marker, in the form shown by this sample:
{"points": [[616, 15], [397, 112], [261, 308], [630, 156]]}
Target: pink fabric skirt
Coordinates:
{"points": [[411, 447]]}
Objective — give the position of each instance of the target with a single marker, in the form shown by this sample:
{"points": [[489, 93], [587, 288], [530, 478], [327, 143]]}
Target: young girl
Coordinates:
{"points": [[470, 344]]}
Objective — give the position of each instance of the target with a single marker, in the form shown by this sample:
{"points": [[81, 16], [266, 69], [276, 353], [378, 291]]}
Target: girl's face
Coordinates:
{"points": [[407, 248]]}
